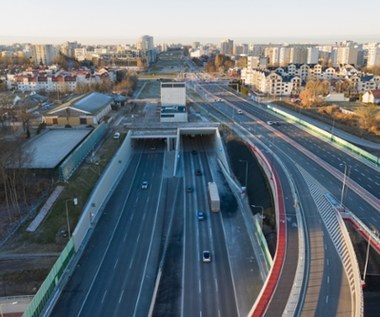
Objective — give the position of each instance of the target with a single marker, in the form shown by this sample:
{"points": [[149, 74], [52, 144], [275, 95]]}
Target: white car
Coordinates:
{"points": [[144, 185], [116, 136], [239, 112]]}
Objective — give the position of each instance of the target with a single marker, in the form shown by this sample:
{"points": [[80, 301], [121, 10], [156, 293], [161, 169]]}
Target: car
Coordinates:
{"points": [[194, 152], [201, 215], [239, 112], [144, 185], [198, 172], [273, 123], [189, 189], [116, 136], [206, 256]]}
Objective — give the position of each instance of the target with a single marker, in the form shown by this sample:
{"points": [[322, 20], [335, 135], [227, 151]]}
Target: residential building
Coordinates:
{"points": [[312, 55], [227, 47], [373, 55], [298, 55], [44, 54], [371, 96], [145, 43], [68, 48]]}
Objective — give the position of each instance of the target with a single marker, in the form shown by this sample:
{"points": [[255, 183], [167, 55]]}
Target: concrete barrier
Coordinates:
{"points": [[102, 191]]}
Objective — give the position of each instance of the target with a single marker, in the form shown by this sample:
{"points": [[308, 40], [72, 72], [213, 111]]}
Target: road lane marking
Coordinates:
{"points": [[327, 299], [130, 264], [121, 296], [328, 279], [117, 261], [138, 237], [199, 286], [104, 295]]}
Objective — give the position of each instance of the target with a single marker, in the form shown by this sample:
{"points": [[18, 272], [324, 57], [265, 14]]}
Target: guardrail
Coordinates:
{"points": [[366, 232], [261, 304], [327, 135]]}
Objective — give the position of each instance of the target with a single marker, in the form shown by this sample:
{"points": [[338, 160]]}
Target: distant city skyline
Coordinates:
{"points": [[123, 22]]}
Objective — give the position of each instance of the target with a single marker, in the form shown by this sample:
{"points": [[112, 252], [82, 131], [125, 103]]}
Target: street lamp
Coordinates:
{"points": [[367, 254], [346, 172], [75, 202], [246, 171]]}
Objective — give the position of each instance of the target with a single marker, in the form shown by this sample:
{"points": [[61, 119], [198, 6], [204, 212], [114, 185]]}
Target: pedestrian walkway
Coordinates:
{"points": [[45, 209]]}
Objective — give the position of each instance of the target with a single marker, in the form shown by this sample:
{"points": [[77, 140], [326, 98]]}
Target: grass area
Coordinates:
{"points": [[52, 234], [151, 90]]}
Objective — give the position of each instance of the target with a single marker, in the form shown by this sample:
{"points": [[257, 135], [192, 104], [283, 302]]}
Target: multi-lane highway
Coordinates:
{"points": [[299, 152], [144, 231]]}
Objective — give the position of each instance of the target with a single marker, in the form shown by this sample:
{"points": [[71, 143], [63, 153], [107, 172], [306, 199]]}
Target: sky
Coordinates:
{"points": [[178, 21]]}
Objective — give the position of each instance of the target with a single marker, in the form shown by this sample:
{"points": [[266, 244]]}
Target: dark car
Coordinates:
{"points": [[198, 172], [194, 152], [206, 256], [189, 189]]}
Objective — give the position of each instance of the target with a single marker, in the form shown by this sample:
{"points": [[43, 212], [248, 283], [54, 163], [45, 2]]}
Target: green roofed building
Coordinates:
{"points": [[83, 110]]}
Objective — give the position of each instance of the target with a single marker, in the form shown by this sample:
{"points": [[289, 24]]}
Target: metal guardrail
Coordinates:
{"points": [[341, 240]]}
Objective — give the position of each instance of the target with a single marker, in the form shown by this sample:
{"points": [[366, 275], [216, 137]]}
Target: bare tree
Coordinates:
{"points": [[367, 117]]}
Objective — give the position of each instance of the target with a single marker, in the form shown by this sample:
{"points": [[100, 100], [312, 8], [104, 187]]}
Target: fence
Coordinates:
{"points": [[43, 295]]}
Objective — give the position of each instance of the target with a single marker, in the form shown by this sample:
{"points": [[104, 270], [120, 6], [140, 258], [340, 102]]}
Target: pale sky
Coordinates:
{"points": [[101, 21]]}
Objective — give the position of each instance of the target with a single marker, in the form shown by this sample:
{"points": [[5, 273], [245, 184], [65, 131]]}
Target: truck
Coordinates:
{"points": [[213, 197]]}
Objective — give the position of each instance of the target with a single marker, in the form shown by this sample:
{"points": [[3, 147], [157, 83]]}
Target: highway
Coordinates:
{"points": [[297, 150], [144, 230], [121, 258]]}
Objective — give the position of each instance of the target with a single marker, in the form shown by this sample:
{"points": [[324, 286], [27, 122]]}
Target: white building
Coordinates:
{"points": [[44, 54], [173, 102], [373, 57], [173, 93], [312, 55]]}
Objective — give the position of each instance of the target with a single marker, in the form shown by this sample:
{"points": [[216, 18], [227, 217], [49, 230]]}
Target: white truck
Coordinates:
{"points": [[214, 197]]}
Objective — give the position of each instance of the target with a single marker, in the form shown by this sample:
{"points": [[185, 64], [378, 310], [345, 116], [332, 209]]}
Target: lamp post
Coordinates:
{"points": [[75, 202], [346, 171], [246, 171], [367, 254]]}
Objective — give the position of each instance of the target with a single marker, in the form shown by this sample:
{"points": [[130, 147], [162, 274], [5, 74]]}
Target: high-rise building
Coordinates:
{"points": [[68, 48], [298, 55], [347, 53], [312, 55], [44, 54], [227, 47], [284, 56], [273, 55], [373, 56], [145, 43]]}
